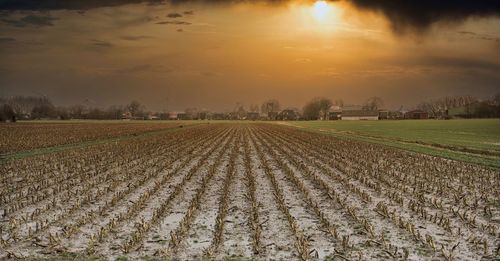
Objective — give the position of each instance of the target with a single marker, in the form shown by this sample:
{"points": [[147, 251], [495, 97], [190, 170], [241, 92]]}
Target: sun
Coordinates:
{"points": [[321, 10]]}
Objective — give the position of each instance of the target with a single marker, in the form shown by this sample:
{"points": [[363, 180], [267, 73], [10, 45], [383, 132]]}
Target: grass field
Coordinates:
{"points": [[476, 141]]}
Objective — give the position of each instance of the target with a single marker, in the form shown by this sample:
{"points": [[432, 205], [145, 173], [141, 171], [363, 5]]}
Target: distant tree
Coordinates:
{"points": [[254, 108], [22, 106], [7, 113], [437, 108], [311, 111], [240, 111], [317, 108], [486, 110], [62, 113], [269, 106], [339, 102], [135, 108], [115, 112], [192, 113], [496, 99], [44, 111], [96, 114], [325, 105], [373, 104], [76, 111]]}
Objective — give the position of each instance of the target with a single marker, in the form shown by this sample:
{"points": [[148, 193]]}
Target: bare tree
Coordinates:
{"points": [[437, 108], [271, 105], [317, 108], [135, 108], [339, 102], [496, 99], [254, 108], [192, 113], [373, 104]]}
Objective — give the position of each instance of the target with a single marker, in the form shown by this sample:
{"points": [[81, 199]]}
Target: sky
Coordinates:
{"points": [[175, 54]]}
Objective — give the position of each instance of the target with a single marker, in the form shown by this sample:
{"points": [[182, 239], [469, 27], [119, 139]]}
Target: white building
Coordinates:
{"points": [[356, 115]]}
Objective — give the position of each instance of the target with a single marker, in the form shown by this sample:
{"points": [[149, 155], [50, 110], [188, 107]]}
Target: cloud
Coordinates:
{"points": [[174, 22], [419, 15], [35, 5], [100, 43], [190, 12], [7, 40], [209, 74], [31, 20], [404, 16], [144, 68], [135, 69], [135, 37], [302, 60], [461, 63], [480, 36], [174, 15]]}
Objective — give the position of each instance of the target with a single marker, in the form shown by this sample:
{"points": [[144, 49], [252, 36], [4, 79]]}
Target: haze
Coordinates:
{"points": [[174, 54]]}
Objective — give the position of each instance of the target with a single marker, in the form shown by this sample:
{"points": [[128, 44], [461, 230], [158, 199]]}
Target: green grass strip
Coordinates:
{"points": [[483, 160]]}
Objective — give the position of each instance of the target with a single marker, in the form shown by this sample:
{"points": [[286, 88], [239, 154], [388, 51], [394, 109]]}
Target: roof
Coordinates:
{"points": [[359, 113], [417, 111]]}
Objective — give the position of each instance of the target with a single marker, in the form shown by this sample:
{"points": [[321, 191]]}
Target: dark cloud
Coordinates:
{"points": [[144, 68], [208, 74], [7, 40], [480, 36], [100, 43], [174, 15], [135, 37], [135, 69], [35, 5], [408, 15], [68, 4], [174, 22], [461, 63], [188, 12], [30, 20], [180, 30], [419, 15]]}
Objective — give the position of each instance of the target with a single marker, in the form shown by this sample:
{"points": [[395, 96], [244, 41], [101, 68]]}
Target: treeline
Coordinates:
{"points": [[30, 107], [33, 108], [462, 106]]}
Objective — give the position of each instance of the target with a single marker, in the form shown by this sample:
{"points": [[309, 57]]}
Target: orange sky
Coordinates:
{"points": [[173, 56]]}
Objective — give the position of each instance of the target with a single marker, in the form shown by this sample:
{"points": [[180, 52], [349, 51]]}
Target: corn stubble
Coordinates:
{"points": [[358, 201]]}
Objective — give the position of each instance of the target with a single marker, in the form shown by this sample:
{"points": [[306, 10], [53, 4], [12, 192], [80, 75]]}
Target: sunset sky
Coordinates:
{"points": [[211, 54]]}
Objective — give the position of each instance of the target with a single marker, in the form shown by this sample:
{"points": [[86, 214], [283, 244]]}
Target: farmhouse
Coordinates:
{"points": [[416, 115], [351, 115]]}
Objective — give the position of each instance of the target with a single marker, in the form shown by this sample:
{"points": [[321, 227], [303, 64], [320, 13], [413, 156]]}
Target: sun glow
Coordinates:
{"points": [[321, 10]]}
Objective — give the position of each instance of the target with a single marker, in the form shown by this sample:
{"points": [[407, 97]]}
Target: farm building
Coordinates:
{"points": [[383, 115], [272, 115], [351, 115], [395, 115], [184, 116], [417, 115], [288, 115], [218, 116], [335, 114]]}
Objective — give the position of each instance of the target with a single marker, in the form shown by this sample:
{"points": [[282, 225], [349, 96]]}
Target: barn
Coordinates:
{"points": [[354, 115], [417, 115]]}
